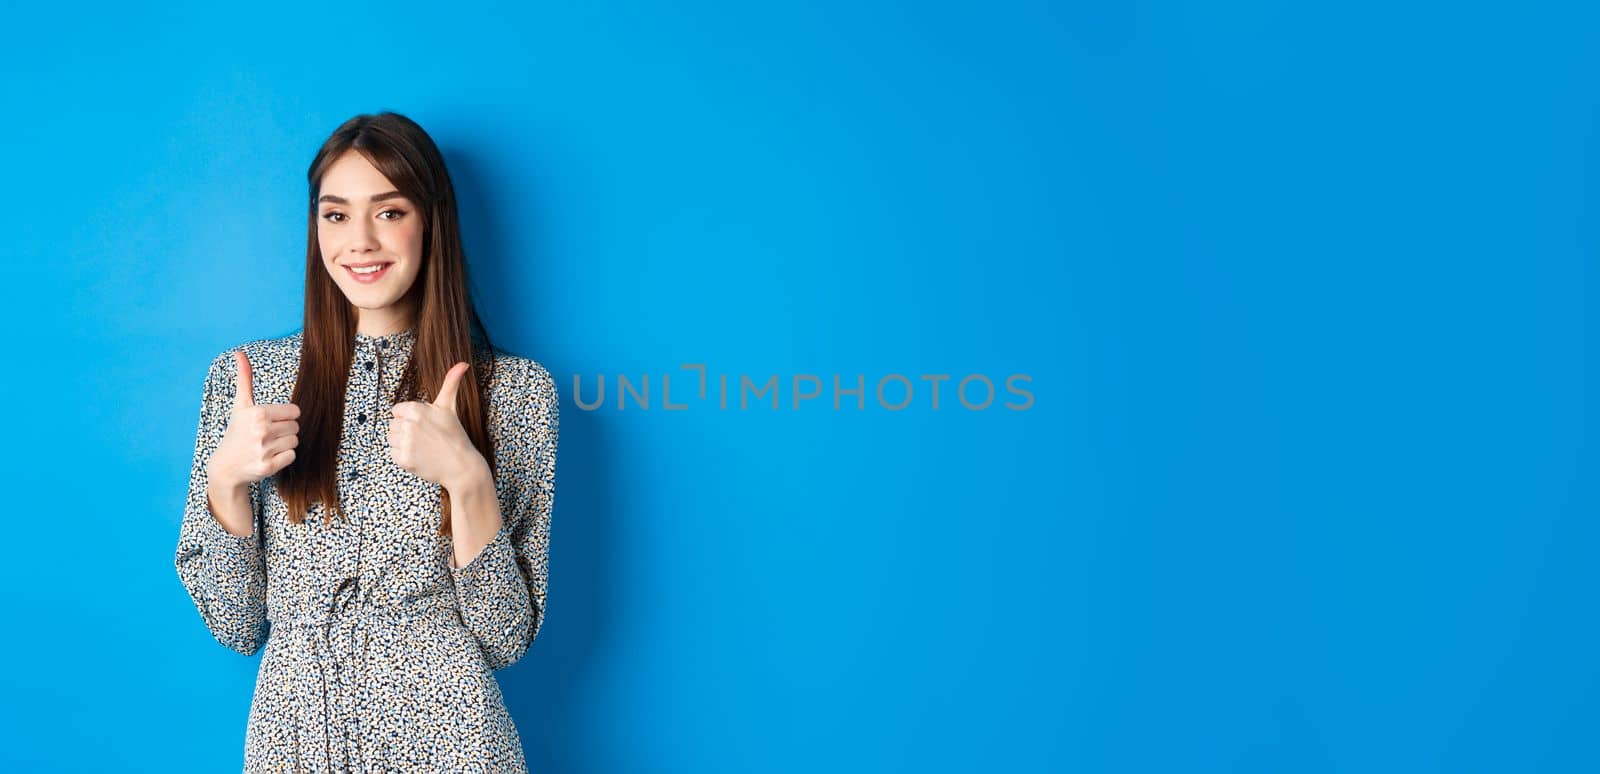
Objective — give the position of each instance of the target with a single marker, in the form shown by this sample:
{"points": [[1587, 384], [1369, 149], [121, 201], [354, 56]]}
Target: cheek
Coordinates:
{"points": [[410, 239]]}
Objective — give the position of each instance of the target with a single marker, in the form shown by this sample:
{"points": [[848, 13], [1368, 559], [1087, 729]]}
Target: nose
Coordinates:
{"points": [[364, 239]]}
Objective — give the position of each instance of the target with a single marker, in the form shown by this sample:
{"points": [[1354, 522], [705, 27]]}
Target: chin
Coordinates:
{"points": [[371, 303]]}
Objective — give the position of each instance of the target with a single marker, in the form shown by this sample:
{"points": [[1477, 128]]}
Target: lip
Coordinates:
{"points": [[368, 279]]}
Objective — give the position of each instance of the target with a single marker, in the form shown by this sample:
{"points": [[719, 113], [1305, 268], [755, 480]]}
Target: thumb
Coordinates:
{"points": [[447, 393], [243, 381]]}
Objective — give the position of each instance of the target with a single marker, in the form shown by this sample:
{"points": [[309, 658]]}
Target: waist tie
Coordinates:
{"points": [[339, 633]]}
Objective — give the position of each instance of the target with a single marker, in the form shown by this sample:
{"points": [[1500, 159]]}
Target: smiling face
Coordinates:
{"points": [[371, 240]]}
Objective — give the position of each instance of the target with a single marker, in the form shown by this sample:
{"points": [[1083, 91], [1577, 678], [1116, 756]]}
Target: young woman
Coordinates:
{"points": [[370, 496]]}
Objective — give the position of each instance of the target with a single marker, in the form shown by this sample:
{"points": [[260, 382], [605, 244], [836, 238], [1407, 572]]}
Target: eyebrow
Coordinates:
{"points": [[375, 197]]}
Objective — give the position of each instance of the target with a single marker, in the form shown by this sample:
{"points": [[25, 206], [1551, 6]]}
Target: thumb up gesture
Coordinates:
{"points": [[259, 441], [427, 438]]}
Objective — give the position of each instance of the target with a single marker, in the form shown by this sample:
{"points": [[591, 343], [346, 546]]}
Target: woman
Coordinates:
{"points": [[388, 546]]}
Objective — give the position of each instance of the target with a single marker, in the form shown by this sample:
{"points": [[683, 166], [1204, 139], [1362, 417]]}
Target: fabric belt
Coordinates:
{"points": [[338, 633]]}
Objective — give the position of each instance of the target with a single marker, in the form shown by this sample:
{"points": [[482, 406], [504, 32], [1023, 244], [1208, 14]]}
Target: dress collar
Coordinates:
{"points": [[391, 342]]}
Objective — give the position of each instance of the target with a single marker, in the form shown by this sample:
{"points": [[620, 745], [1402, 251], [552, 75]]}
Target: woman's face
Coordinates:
{"points": [[371, 240]]}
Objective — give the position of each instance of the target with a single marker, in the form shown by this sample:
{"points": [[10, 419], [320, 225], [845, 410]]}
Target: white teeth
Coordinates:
{"points": [[367, 270]]}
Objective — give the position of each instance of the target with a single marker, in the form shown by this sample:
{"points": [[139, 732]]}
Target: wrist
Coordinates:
{"points": [[221, 487], [473, 478], [231, 506]]}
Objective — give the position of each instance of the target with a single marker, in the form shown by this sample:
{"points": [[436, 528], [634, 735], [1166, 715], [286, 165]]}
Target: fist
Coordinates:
{"points": [[259, 441], [427, 438]]}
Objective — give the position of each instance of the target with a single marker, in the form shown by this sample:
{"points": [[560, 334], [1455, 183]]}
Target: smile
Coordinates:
{"points": [[368, 273]]}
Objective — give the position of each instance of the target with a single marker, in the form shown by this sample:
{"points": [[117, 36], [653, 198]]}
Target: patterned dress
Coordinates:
{"points": [[378, 649]]}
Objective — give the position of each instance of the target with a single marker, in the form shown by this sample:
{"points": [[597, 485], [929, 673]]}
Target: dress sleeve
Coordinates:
{"points": [[501, 592], [225, 574]]}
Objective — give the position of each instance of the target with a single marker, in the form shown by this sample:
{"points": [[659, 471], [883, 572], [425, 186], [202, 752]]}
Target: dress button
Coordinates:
{"points": [[362, 417], [384, 344], [369, 365], [355, 474]]}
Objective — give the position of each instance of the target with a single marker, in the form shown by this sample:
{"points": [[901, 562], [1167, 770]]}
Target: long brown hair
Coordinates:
{"points": [[448, 330]]}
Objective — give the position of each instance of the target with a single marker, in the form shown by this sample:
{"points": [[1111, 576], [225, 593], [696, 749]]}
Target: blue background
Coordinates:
{"points": [[1305, 295]]}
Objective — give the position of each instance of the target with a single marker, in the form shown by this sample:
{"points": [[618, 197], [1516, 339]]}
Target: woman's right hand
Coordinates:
{"points": [[259, 441]]}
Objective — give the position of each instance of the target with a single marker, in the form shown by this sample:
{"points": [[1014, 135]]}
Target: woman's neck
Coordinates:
{"points": [[383, 322]]}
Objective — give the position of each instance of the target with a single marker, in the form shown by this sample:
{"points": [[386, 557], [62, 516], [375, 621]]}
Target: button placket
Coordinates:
{"points": [[355, 616], [358, 385], [377, 389]]}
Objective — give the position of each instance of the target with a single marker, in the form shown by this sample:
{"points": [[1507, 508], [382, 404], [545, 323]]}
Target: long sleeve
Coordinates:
{"points": [[225, 574], [501, 592]]}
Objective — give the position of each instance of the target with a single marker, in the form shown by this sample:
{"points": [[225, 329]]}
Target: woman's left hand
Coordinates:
{"points": [[427, 439]]}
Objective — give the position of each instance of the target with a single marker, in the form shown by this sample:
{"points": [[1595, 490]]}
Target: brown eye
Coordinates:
{"points": [[398, 214], [330, 216]]}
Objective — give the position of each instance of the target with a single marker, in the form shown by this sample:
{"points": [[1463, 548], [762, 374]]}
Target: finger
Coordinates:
{"points": [[283, 427], [282, 460], [280, 411], [447, 393], [279, 444], [243, 381]]}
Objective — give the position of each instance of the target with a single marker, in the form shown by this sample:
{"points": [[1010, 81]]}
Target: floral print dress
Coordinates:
{"points": [[378, 649]]}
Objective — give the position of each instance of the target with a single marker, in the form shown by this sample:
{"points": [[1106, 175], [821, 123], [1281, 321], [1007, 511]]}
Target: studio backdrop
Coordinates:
{"points": [[943, 387]]}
